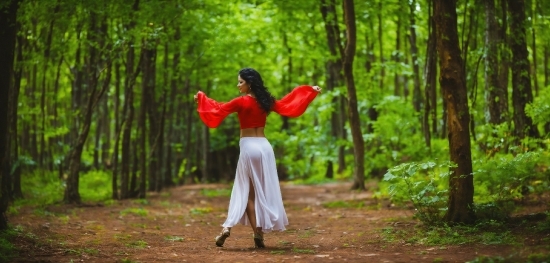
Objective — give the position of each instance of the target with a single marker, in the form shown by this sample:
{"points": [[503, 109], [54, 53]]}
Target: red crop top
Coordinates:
{"points": [[250, 114]]}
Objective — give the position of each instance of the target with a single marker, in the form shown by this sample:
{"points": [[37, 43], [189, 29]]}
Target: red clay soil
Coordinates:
{"points": [[179, 225]]}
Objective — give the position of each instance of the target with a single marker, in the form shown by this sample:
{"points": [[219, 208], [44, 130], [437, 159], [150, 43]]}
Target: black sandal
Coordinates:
{"points": [[223, 235], [259, 241]]}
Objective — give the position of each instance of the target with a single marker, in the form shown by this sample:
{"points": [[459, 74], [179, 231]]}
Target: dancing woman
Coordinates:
{"points": [[256, 192]]}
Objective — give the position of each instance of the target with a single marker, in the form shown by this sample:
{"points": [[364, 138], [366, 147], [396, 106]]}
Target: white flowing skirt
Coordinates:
{"points": [[257, 166]]}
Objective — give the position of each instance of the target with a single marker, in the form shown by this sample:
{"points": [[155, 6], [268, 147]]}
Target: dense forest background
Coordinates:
{"points": [[101, 104]]}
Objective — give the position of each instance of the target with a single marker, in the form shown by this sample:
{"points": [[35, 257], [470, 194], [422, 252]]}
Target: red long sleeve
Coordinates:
{"points": [[212, 112], [296, 102]]}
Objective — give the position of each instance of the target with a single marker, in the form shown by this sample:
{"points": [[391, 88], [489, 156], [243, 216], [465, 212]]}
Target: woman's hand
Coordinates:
{"points": [[196, 97], [317, 88]]}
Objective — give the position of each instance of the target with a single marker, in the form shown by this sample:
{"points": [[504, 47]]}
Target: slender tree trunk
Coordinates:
{"points": [[504, 59], [495, 95], [452, 80], [534, 48], [118, 127], [355, 123], [142, 125], [430, 91], [417, 93], [334, 79], [149, 107], [130, 80], [521, 79], [396, 57], [545, 66], [207, 161], [380, 46], [17, 193]]}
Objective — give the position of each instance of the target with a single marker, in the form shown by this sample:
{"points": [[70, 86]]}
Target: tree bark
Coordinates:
{"points": [[521, 79], [496, 96], [16, 191], [334, 80], [355, 123], [452, 81], [430, 91], [417, 94], [380, 47], [128, 109], [8, 31]]}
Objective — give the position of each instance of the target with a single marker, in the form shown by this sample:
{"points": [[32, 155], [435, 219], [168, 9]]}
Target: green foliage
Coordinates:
{"points": [[303, 251], [423, 184], [95, 186], [7, 249], [344, 204], [200, 210], [507, 177], [491, 233], [41, 187], [139, 244], [136, 211], [216, 192], [539, 109], [532, 258]]}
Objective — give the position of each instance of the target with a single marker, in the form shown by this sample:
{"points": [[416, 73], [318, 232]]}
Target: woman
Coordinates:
{"points": [[256, 191]]}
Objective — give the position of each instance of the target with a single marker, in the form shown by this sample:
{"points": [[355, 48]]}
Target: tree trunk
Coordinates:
{"points": [[396, 57], [8, 30], [545, 66], [355, 123], [495, 95], [334, 79], [417, 94], [149, 108], [14, 136], [534, 48], [521, 80], [72, 195], [128, 110], [142, 126], [452, 81], [380, 47], [207, 162], [430, 91]]}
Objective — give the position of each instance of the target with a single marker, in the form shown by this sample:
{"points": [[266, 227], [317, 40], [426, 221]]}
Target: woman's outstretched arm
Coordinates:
{"points": [[296, 102], [211, 112]]}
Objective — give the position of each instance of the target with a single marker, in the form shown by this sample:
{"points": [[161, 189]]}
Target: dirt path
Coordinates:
{"points": [[180, 225]]}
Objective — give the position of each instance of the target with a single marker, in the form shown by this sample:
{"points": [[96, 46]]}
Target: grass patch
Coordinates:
{"points": [[277, 252], [306, 234], [316, 179], [200, 210], [344, 204], [142, 226], [140, 244], [136, 211], [303, 251], [174, 239], [122, 237], [7, 249], [216, 192], [141, 201], [80, 251], [445, 235]]}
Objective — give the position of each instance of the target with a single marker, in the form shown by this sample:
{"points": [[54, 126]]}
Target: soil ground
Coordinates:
{"points": [[179, 225]]}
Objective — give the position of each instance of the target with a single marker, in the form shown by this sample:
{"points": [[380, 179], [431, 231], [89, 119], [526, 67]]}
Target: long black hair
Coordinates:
{"points": [[263, 97]]}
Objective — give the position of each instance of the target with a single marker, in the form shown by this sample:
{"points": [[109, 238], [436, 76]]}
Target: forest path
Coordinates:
{"points": [[328, 223]]}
